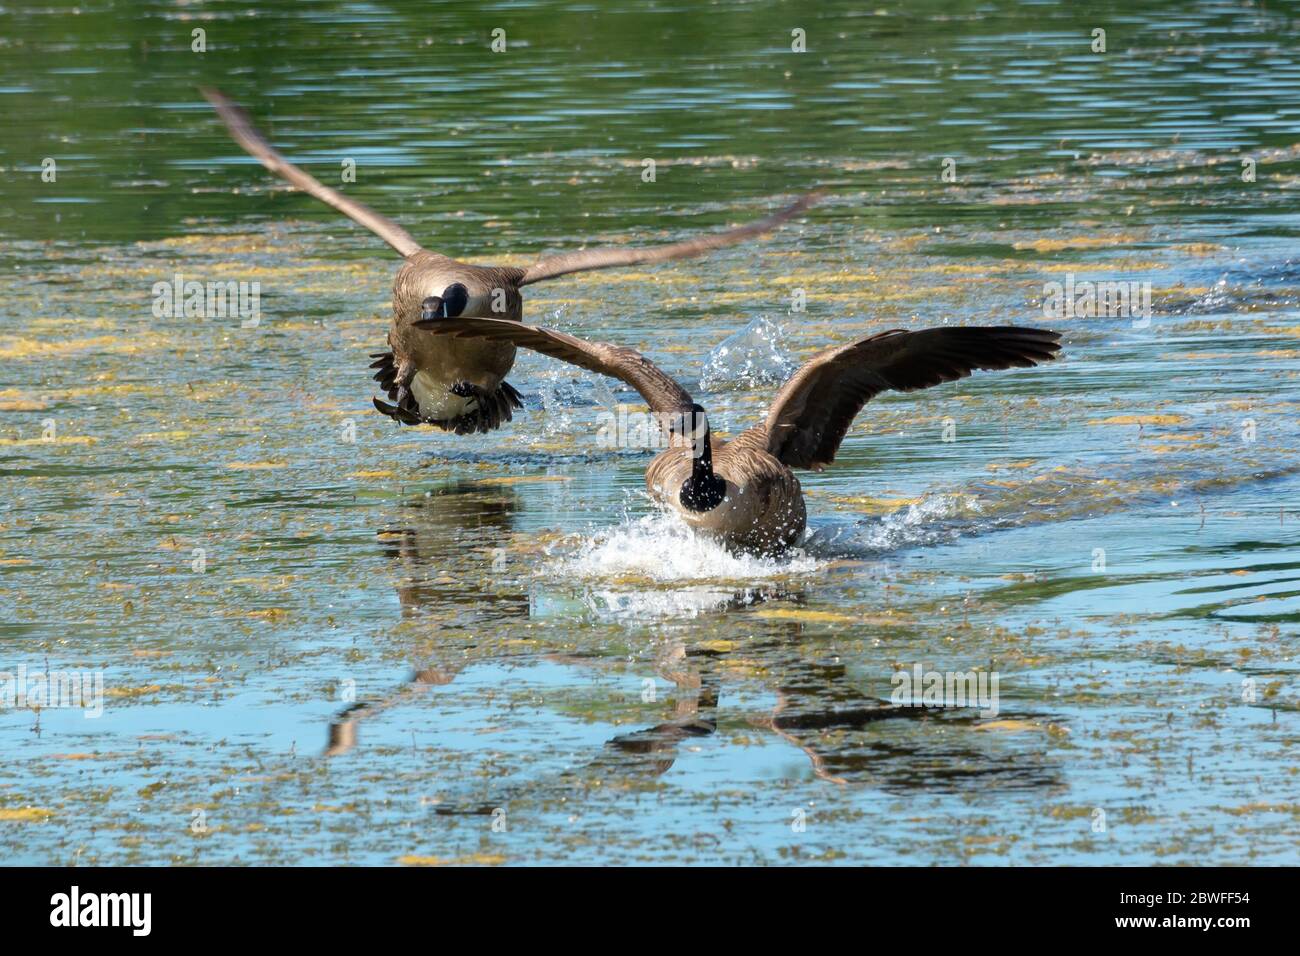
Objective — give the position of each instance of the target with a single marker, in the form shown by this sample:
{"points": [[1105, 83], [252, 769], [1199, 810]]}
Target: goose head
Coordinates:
{"points": [[689, 427], [451, 303], [703, 490], [468, 297]]}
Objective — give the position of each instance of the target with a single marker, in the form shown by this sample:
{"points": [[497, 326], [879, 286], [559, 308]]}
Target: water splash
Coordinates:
{"points": [[659, 548], [557, 395], [753, 356], [1268, 287], [933, 519], [638, 605]]}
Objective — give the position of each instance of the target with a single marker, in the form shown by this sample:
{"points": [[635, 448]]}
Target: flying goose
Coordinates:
{"points": [[460, 386], [743, 491]]}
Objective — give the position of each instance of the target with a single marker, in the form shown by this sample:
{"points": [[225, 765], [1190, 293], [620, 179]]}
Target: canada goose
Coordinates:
{"points": [[743, 491], [460, 386]]}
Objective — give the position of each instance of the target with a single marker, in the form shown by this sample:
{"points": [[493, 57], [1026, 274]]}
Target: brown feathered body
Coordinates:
{"points": [[763, 510], [458, 384]]}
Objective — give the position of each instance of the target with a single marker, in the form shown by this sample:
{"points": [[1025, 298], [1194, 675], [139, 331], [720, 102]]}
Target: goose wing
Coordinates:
{"points": [[660, 391], [247, 135], [587, 259], [814, 409]]}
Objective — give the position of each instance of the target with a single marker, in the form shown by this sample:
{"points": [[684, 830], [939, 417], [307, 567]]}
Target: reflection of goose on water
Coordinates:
{"points": [[436, 524], [819, 710], [458, 517]]}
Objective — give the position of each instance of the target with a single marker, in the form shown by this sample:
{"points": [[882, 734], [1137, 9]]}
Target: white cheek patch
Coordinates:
{"points": [[476, 307], [699, 426], [688, 425]]}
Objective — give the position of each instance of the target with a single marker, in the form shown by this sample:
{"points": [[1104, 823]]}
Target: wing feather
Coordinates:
{"points": [[661, 392], [588, 259], [247, 135], [811, 414]]}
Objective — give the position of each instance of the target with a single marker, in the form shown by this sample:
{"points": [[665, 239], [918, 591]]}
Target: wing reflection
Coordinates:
{"points": [[847, 735], [458, 517], [462, 518]]}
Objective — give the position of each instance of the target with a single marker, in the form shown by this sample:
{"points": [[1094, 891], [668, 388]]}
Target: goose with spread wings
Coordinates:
{"points": [[460, 386], [744, 491]]}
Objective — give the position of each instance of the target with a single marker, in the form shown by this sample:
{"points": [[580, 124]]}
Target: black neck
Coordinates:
{"points": [[703, 454], [704, 490]]}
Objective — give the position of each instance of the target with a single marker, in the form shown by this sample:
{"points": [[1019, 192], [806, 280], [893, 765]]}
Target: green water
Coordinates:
{"points": [[325, 639]]}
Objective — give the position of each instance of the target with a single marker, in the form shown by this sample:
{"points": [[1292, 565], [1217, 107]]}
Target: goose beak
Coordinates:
{"points": [[431, 309]]}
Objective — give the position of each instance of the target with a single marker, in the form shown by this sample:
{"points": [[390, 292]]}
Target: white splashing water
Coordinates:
{"points": [[755, 355], [604, 394], [660, 548], [1218, 296], [553, 387], [933, 519], [654, 566], [679, 602]]}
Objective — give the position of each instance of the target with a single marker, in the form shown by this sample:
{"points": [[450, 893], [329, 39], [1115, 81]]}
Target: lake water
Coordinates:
{"points": [[325, 639]]}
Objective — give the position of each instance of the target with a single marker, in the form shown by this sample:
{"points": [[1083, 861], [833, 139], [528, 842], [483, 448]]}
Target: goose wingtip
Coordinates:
{"points": [[218, 99]]}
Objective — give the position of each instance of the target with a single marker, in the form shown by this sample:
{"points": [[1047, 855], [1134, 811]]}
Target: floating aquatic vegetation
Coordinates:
{"points": [[526, 623]]}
